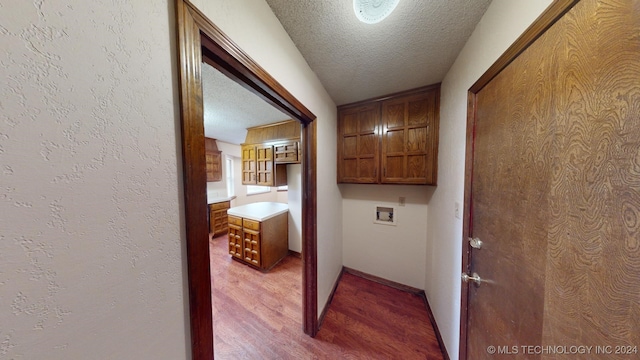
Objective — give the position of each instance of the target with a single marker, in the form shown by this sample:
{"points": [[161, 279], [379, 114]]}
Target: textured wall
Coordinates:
{"points": [[500, 26], [394, 253], [90, 231]]}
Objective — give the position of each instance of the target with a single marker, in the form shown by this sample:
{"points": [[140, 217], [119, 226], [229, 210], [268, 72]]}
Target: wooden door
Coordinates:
{"points": [[410, 139], [555, 194], [358, 144]]}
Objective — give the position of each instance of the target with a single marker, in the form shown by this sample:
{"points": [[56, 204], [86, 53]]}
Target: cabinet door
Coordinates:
{"points": [[286, 152], [252, 247], [236, 247], [213, 160], [248, 164], [216, 167], [264, 165], [220, 221], [409, 139], [358, 144]]}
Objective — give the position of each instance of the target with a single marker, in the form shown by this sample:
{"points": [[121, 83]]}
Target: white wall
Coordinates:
{"points": [[294, 199], [391, 252], [253, 26], [501, 25], [91, 235]]}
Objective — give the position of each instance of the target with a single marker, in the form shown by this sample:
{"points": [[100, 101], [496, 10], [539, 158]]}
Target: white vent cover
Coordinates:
{"points": [[373, 11]]}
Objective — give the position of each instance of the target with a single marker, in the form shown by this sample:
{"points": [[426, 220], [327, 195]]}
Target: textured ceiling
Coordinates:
{"points": [[415, 46], [229, 109]]}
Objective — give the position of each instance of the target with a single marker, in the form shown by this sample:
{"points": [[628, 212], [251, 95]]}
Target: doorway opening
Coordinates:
{"points": [[200, 40]]}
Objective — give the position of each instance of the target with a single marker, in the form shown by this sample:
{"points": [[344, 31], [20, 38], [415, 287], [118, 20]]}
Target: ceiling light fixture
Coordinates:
{"points": [[373, 11]]}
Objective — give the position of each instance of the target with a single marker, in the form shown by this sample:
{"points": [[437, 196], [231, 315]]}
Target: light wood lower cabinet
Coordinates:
{"points": [[218, 217], [261, 244]]}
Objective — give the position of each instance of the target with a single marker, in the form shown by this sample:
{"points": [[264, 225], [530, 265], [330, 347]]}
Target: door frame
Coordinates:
{"points": [[553, 13], [198, 39]]}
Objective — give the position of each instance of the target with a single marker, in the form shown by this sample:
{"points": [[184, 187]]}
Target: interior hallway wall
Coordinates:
{"points": [[92, 257], [500, 26]]}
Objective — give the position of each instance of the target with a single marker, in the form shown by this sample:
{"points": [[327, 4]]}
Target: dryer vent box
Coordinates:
{"points": [[385, 215]]}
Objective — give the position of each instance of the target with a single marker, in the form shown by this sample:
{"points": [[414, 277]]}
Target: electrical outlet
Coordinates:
{"points": [[457, 210], [401, 200]]}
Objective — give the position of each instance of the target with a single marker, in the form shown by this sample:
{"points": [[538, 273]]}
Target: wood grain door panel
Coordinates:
{"points": [[358, 144], [556, 190], [264, 165], [248, 165], [236, 244], [252, 247], [408, 147]]}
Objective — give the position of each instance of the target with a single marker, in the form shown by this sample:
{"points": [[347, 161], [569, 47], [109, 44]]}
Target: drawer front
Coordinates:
{"points": [[234, 220], [219, 206], [251, 224]]}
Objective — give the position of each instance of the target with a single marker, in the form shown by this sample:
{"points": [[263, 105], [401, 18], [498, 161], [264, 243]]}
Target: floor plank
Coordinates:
{"points": [[259, 316]]}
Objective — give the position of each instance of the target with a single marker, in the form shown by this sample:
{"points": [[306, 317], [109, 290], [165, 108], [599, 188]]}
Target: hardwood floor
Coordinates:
{"points": [[259, 316]]}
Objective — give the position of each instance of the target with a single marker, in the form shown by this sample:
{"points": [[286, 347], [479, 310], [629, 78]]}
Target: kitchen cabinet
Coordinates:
{"points": [[359, 144], [213, 160], [258, 234], [248, 164], [267, 150], [286, 152], [259, 167], [218, 221], [391, 140]]}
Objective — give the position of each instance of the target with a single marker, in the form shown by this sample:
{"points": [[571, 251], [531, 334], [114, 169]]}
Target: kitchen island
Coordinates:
{"points": [[259, 233]]}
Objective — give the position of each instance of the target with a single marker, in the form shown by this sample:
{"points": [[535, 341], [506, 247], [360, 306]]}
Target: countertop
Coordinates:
{"points": [[217, 199], [259, 211]]}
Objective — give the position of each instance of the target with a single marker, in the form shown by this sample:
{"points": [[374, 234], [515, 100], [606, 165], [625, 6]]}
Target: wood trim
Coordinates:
{"points": [[309, 229], [229, 58], [382, 281], [295, 253], [194, 182], [550, 16], [392, 95], [200, 40], [331, 295], [466, 247], [445, 354]]}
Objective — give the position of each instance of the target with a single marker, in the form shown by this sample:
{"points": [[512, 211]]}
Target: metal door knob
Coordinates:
{"points": [[475, 278], [476, 243]]}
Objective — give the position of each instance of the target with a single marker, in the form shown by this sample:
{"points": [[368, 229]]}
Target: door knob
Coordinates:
{"points": [[475, 243], [475, 278]]}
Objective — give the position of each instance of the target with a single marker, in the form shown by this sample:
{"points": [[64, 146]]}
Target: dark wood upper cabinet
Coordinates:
{"points": [[358, 144], [213, 160], [390, 140]]}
